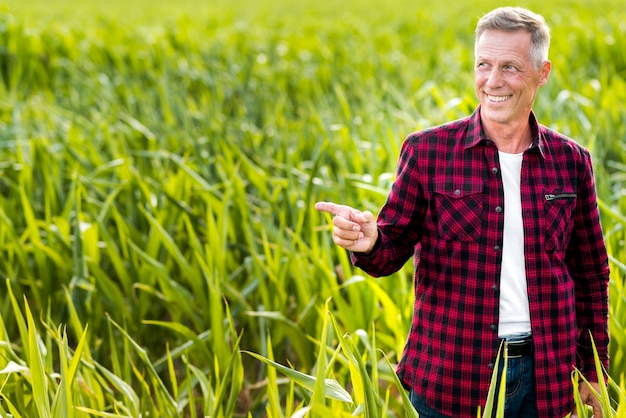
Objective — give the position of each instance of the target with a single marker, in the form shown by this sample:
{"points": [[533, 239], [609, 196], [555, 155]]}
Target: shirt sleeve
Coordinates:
{"points": [[399, 220], [588, 263]]}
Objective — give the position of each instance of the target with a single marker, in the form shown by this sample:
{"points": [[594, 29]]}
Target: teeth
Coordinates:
{"points": [[497, 98]]}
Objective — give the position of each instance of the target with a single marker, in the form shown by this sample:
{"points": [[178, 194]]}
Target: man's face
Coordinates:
{"points": [[504, 76]]}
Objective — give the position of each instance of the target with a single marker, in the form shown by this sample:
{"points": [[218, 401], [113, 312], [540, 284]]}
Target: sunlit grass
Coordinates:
{"points": [[158, 167]]}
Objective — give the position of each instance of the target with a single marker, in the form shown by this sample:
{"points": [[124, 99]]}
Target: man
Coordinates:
{"points": [[501, 215]]}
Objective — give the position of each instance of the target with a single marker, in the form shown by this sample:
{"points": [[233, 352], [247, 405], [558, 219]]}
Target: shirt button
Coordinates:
{"points": [[457, 192], [498, 209], [491, 366], [494, 287], [495, 170], [493, 327], [496, 248]]}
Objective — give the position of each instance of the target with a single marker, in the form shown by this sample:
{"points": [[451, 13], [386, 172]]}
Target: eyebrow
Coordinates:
{"points": [[514, 62]]}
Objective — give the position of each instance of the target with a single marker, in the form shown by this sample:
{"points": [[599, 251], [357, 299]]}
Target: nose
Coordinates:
{"points": [[494, 78]]}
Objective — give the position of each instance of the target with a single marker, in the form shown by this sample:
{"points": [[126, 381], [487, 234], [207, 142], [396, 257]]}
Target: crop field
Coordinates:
{"points": [[160, 255]]}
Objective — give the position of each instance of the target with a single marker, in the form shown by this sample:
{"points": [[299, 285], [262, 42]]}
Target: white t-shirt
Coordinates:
{"points": [[514, 309]]}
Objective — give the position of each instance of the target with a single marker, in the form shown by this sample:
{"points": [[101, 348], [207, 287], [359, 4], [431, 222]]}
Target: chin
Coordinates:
{"points": [[495, 118]]}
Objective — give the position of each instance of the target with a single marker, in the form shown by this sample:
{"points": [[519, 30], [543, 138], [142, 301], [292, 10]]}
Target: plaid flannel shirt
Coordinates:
{"points": [[446, 207]]}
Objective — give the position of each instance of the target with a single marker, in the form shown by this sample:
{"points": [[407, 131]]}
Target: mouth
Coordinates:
{"points": [[498, 99]]}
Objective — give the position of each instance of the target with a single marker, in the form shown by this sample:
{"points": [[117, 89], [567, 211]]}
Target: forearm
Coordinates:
{"points": [[592, 308], [384, 259]]}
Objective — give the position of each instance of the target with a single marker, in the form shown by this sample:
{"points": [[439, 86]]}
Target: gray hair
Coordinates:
{"points": [[512, 19]]}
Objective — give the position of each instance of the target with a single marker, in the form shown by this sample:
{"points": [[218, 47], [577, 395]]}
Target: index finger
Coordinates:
{"points": [[331, 208]]}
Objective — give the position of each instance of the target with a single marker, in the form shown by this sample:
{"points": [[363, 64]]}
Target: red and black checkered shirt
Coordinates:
{"points": [[446, 207]]}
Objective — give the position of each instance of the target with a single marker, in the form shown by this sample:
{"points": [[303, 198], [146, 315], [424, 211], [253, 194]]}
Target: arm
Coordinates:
{"points": [[383, 246], [400, 219], [588, 263]]}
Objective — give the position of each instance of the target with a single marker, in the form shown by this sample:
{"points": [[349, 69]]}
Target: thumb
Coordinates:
{"points": [[363, 217], [367, 222]]}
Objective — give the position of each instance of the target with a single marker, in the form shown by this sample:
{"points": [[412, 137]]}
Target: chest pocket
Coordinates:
{"points": [[559, 208], [458, 210]]}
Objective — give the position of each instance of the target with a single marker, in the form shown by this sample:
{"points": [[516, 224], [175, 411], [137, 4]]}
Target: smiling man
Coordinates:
{"points": [[500, 213], [507, 76]]}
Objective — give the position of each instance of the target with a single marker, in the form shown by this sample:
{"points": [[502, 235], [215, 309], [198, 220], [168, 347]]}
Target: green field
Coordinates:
{"points": [[159, 251]]}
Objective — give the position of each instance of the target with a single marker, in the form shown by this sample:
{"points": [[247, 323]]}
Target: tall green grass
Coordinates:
{"points": [[159, 251]]}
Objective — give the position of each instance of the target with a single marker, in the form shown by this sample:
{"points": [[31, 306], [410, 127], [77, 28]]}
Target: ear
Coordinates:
{"points": [[546, 67]]}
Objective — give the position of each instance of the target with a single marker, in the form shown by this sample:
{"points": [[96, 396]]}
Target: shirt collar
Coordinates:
{"points": [[475, 133]]}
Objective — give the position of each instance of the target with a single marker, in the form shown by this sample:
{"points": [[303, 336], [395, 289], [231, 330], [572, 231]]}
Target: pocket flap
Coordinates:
{"points": [[458, 190]]}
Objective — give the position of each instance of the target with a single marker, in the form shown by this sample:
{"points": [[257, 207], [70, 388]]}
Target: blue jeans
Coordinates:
{"points": [[422, 409], [521, 401]]}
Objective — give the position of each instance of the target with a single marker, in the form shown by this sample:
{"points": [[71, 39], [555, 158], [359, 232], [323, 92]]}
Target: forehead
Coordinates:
{"points": [[500, 44]]}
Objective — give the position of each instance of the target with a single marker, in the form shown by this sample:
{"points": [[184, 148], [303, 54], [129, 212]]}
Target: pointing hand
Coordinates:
{"points": [[352, 229]]}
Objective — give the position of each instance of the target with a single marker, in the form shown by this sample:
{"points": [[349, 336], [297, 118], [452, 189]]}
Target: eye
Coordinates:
{"points": [[510, 68]]}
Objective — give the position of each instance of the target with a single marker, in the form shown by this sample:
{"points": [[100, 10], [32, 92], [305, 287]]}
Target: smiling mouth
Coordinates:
{"points": [[497, 99]]}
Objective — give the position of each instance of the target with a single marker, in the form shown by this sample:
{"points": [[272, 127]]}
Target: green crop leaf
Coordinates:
{"points": [[333, 389]]}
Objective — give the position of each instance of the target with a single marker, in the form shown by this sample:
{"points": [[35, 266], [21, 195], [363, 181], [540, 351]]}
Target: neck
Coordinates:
{"points": [[510, 139]]}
